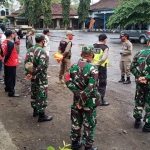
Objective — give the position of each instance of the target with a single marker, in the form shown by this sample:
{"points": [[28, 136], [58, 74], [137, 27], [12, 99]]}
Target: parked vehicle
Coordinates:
{"points": [[137, 32], [25, 29], [2, 36]]}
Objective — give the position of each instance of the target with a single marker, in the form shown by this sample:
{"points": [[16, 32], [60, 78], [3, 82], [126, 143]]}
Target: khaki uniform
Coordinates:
{"points": [[29, 41], [126, 58], [66, 62]]}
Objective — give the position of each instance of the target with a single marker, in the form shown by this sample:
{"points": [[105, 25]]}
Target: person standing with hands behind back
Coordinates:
{"points": [[126, 54]]}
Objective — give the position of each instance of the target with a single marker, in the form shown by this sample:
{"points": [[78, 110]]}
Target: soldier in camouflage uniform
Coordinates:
{"points": [[39, 82], [140, 68], [82, 79]]}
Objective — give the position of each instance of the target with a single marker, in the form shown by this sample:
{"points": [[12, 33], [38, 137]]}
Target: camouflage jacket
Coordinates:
{"points": [[82, 81], [140, 66], [40, 62]]}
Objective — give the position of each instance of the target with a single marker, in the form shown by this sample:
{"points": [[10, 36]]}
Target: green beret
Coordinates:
{"points": [[87, 49], [40, 36], [148, 39]]}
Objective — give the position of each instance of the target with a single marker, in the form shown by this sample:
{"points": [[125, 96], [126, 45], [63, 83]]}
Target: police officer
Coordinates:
{"points": [[140, 68], [39, 82], [82, 79], [101, 60], [65, 49], [29, 40], [126, 54]]}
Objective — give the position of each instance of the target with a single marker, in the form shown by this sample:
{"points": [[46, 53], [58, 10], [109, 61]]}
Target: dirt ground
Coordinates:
{"points": [[114, 130]]}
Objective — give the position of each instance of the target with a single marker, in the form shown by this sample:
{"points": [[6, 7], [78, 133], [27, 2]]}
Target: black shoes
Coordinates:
{"points": [[122, 79], [128, 81], [35, 112], [91, 148], [43, 117], [137, 123], [104, 103], [13, 95], [76, 145], [146, 127]]}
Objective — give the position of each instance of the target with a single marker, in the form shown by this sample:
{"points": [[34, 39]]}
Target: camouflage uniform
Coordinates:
{"points": [[140, 66], [83, 78], [39, 83]]}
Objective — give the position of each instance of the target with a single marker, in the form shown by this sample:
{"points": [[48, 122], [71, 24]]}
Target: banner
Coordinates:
{"points": [[91, 23]]}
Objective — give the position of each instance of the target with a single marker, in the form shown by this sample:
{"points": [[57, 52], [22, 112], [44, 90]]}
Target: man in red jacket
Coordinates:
{"points": [[10, 63]]}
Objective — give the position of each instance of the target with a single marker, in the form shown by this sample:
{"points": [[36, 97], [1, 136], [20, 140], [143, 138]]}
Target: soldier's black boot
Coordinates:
{"points": [[43, 117], [76, 145], [35, 112], [91, 148], [128, 81], [104, 103], [137, 123], [122, 79], [146, 127]]}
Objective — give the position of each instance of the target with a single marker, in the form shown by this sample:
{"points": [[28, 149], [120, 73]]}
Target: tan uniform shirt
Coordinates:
{"points": [[68, 48], [126, 51]]}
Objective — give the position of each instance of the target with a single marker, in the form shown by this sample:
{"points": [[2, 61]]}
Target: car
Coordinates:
{"points": [[137, 34], [2, 36]]}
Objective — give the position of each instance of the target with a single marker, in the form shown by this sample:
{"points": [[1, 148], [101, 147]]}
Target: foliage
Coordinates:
{"points": [[34, 9], [56, 1], [5, 19], [83, 10], [130, 12], [3, 1], [46, 9], [66, 11], [63, 148]]}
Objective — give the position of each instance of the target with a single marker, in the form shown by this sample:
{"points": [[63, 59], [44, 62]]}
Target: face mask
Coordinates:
{"points": [[123, 39], [70, 37]]}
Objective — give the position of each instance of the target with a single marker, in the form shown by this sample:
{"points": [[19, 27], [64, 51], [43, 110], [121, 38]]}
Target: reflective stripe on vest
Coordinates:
{"points": [[98, 54]]}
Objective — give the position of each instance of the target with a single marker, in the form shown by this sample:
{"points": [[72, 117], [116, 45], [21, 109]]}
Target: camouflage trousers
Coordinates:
{"points": [[142, 101], [88, 120], [39, 96]]}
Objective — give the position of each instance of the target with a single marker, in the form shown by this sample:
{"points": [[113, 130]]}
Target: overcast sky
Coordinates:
{"points": [[94, 1]]}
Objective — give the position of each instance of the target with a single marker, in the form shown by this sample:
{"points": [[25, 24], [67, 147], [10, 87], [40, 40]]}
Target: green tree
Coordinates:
{"points": [[34, 9], [130, 12], [66, 12], [75, 4], [5, 19], [83, 10], [56, 1], [47, 10]]}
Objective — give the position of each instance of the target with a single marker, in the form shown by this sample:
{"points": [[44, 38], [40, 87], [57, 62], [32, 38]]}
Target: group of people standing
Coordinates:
{"points": [[87, 79]]}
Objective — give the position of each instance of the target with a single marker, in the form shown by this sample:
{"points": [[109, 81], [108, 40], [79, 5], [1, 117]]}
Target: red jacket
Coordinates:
{"points": [[10, 53]]}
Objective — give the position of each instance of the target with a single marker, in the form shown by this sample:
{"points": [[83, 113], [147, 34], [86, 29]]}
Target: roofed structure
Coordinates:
{"points": [[105, 4]]}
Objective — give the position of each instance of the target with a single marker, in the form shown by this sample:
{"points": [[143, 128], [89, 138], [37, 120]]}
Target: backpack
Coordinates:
{"points": [[63, 44]]}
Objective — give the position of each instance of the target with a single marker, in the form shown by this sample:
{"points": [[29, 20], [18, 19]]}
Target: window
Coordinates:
{"points": [[2, 13]]}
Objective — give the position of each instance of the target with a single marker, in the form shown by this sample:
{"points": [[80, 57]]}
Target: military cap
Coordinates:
{"points": [[87, 49], [69, 33], [40, 36], [33, 30]]}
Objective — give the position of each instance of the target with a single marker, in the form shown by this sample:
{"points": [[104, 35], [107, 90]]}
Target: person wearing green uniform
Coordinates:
{"points": [[140, 68], [39, 81], [82, 79]]}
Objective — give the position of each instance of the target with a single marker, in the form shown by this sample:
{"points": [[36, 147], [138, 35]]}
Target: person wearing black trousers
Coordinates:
{"points": [[10, 64]]}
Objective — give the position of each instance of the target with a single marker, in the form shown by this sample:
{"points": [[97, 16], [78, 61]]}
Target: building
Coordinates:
{"points": [[101, 11], [3, 12], [57, 18]]}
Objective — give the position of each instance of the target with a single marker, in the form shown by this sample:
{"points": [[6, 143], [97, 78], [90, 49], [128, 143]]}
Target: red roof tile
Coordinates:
{"points": [[56, 10], [105, 4]]}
